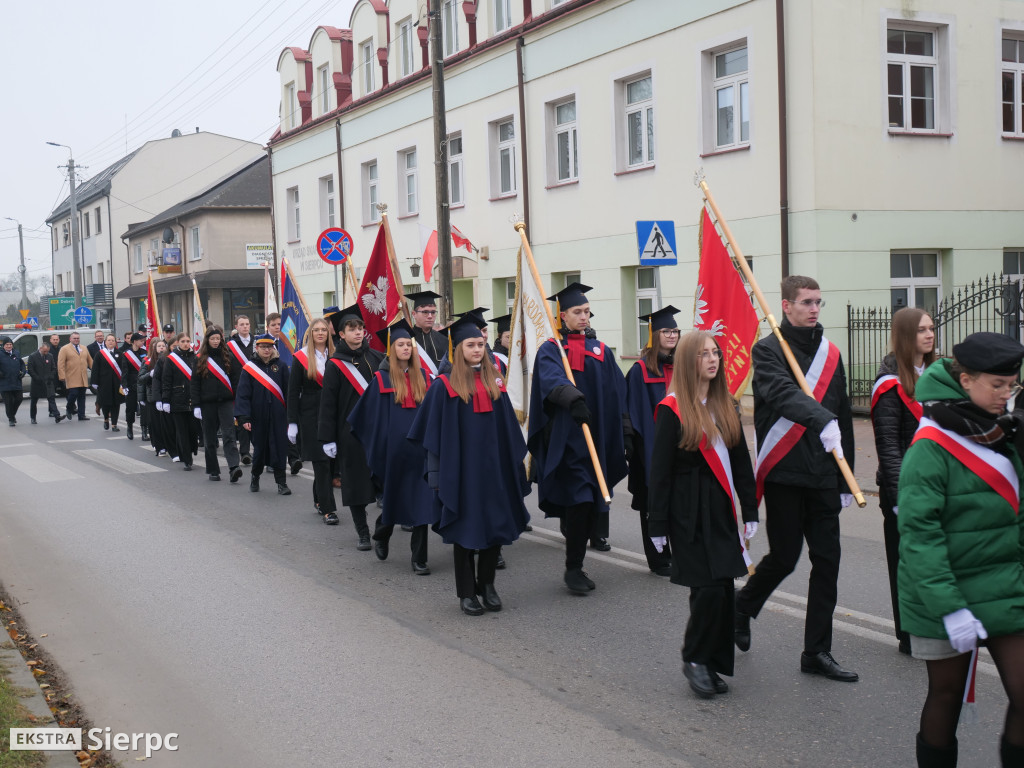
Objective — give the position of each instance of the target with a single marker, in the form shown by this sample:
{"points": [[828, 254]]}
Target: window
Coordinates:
{"points": [[99, 272], [918, 97], [1012, 87], [294, 216], [88, 275], [290, 107], [456, 181], [323, 78], [370, 193], [503, 137], [56, 240], [566, 142], [731, 89], [646, 296], [914, 279], [406, 47], [366, 62], [327, 217], [502, 15], [138, 258], [510, 294], [99, 224], [86, 232], [59, 287], [407, 182], [639, 114], [450, 26], [195, 253], [1013, 262]]}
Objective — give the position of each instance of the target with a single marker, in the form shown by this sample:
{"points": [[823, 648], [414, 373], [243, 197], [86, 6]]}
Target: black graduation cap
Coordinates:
{"points": [[399, 330], [987, 352], [571, 296], [341, 316], [328, 311], [477, 316], [504, 323], [462, 329], [266, 338], [660, 320], [423, 298]]}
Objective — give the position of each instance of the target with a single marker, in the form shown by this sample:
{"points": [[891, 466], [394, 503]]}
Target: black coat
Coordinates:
{"points": [[207, 389], [105, 381], [257, 406], [687, 504], [894, 427], [175, 386], [236, 365], [94, 349], [42, 368], [129, 373], [338, 399], [776, 394], [304, 409], [12, 371]]}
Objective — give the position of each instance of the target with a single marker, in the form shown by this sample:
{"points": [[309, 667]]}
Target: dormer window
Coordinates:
{"points": [[291, 105], [324, 85], [366, 63]]}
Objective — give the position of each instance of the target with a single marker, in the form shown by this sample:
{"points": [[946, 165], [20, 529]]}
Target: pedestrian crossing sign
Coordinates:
{"points": [[656, 241]]}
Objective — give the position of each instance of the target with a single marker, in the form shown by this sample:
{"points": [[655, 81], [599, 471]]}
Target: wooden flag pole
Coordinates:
{"points": [[394, 262], [298, 292], [520, 227], [794, 366]]}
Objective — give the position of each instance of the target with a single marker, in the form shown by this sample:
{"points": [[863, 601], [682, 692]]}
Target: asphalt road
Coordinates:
{"points": [[263, 637]]}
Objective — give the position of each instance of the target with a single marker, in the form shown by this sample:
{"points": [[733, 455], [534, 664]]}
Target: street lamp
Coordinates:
{"points": [[76, 265], [21, 266]]}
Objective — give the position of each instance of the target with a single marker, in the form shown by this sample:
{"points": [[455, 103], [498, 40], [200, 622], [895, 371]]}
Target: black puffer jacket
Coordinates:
{"points": [[206, 387], [894, 426], [175, 387]]}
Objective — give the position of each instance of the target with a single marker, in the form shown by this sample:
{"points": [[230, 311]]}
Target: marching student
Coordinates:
{"points": [[347, 374], [274, 320], [105, 381], [240, 346], [646, 385], [432, 345], [149, 392], [503, 340], [131, 366], [474, 461], [477, 316], [894, 417], [961, 572], [566, 481], [380, 421], [701, 491], [213, 403], [305, 385], [42, 366], [260, 410], [176, 396]]}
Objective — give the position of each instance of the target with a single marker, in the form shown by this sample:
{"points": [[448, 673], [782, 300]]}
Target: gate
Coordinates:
{"points": [[992, 303]]}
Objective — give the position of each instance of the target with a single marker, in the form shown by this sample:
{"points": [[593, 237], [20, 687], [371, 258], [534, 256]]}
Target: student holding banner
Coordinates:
{"points": [[131, 365], [802, 487], [347, 374], [260, 409], [213, 403], [105, 381], [176, 396], [701, 493]]}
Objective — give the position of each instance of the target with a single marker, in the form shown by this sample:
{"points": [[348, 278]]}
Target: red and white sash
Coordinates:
{"points": [[426, 360], [784, 433], [216, 370], [994, 468], [717, 457], [261, 376], [236, 350], [133, 359], [352, 373], [113, 363], [884, 384], [502, 358], [181, 365], [300, 355]]}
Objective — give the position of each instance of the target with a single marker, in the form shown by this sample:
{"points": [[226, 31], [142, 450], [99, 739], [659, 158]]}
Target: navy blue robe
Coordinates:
{"points": [[481, 480], [565, 472], [381, 424], [643, 393], [267, 415]]}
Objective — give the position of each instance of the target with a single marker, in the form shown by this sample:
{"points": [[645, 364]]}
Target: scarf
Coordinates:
{"points": [[576, 350], [482, 402], [410, 401], [971, 422]]}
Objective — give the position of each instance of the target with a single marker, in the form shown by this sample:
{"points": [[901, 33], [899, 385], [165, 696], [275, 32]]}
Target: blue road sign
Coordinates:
{"points": [[33, 322], [656, 242], [83, 315], [334, 246]]}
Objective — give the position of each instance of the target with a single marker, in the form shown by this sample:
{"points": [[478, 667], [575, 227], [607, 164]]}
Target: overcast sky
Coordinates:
{"points": [[74, 73]]}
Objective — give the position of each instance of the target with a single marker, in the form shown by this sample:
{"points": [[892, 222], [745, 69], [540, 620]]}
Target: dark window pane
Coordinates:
{"points": [[899, 298], [1009, 124], [1009, 50], [894, 43], [921, 82], [924, 264], [895, 112], [926, 298], [899, 265], [922, 114], [1010, 263], [918, 43], [1007, 86], [895, 79]]}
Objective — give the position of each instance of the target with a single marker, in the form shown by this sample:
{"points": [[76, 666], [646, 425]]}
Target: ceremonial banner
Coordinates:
{"points": [[379, 298], [294, 317], [269, 298], [723, 307], [152, 316], [198, 320], [530, 328]]}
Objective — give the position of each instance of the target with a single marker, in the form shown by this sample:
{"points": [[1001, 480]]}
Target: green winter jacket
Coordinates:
{"points": [[961, 545]]}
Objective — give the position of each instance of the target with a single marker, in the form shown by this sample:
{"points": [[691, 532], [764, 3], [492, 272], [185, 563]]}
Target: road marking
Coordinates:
{"points": [[73, 440], [113, 460], [118, 437], [40, 470], [15, 445]]}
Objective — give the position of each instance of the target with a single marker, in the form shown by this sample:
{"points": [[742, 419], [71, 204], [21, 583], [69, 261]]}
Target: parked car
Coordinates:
{"points": [[27, 342]]}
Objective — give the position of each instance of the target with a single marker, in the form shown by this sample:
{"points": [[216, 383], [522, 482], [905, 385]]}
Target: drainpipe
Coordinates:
{"points": [[780, 47], [273, 222], [339, 291], [522, 131]]}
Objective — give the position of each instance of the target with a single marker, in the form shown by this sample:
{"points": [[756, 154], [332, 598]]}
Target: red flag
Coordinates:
{"points": [[152, 318], [379, 300], [428, 239], [460, 240], [723, 307]]}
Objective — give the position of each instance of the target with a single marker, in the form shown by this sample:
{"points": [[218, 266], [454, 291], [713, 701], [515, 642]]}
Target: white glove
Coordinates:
{"points": [[749, 530], [659, 542], [198, 413], [293, 433], [122, 390], [846, 499], [167, 407], [963, 629], [331, 449], [159, 405], [832, 438], [93, 387], [142, 403]]}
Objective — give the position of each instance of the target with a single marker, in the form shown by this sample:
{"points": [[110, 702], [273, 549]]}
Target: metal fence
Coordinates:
{"points": [[993, 303]]}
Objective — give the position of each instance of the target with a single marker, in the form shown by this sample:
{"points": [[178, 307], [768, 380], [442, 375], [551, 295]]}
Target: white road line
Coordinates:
{"points": [[73, 440], [39, 469], [118, 437], [113, 460], [16, 445]]}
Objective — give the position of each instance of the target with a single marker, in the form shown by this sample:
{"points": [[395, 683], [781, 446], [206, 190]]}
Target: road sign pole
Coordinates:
{"points": [[337, 297]]}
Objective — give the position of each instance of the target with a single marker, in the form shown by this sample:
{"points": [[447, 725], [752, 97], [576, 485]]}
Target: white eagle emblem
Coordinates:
{"points": [[376, 297]]}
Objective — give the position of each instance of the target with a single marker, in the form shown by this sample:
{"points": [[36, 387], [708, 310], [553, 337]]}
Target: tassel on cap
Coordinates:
{"points": [[650, 334]]}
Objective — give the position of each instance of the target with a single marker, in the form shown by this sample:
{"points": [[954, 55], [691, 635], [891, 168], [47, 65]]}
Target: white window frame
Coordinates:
{"points": [[569, 128], [408, 183], [510, 294], [138, 259], [294, 214], [456, 171], [323, 79], [371, 192], [625, 109], [917, 282], [1015, 69], [645, 294], [1018, 256], [292, 108], [450, 26], [99, 272], [195, 250], [739, 84], [503, 154], [941, 62], [407, 40], [328, 215], [88, 275], [366, 62], [502, 12], [86, 230], [99, 221]]}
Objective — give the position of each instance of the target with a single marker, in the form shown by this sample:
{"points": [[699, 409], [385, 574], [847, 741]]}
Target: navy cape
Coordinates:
{"points": [[643, 393], [265, 413]]}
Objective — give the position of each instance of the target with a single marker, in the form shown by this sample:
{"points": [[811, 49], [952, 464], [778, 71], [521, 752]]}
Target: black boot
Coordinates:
{"points": [[362, 529], [741, 630], [254, 484], [1011, 755], [145, 433], [130, 432], [282, 484], [939, 757]]}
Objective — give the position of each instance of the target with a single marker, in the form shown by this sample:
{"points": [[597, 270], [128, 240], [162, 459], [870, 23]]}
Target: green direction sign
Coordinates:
{"points": [[62, 310]]}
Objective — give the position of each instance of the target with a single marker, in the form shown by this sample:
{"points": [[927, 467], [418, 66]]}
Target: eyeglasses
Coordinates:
{"points": [[1010, 389], [707, 355], [808, 303], [671, 331], [427, 311]]}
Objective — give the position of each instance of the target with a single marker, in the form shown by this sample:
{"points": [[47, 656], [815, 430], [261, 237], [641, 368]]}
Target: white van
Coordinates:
{"points": [[27, 342]]}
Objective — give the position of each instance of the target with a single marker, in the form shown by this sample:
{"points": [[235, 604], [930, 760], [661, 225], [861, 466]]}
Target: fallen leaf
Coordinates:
{"points": [[33, 646], [44, 634], [31, 663], [38, 671], [82, 755]]}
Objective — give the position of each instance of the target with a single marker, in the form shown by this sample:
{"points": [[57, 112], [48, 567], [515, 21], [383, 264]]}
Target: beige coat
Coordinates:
{"points": [[73, 368]]}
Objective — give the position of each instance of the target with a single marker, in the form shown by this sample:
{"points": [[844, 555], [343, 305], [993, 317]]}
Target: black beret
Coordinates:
{"points": [[168, 328], [987, 352]]}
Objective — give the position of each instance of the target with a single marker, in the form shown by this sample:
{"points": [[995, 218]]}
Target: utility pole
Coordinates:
{"points": [[444, 232], [76, 261], [21, 267]]}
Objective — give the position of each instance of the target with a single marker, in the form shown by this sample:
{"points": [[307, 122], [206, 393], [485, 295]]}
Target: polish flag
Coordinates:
{"points": [[428, 241]]}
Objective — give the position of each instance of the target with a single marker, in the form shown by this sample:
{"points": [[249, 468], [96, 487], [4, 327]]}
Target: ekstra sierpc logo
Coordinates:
{"points": [[55, 739]]}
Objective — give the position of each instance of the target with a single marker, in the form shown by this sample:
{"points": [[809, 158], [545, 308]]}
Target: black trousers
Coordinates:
{"points": [[51, 401], [793, 514], [219, 416], [577, 527], [185, 435], [12, 402], [323, 490], [891, 534], [111, 412], [76, 400], [468, 574], [131, 406], [417, 544], [244, 441], [709, 631]]}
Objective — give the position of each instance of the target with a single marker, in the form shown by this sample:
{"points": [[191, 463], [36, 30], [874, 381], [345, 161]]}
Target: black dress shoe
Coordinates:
{"points": [[254, 485], [215, 478], [296, 467], [129, 433], [283, 489], [719, 684], [500, 564], [32, 421], [330, 518], [490, 600], [364, 544], [187, 468], [236, 474], [823, 664], [380, 549], [528, 528], [106, 424], [601, 545], [700, 680], [246, 459], [471, 606], [741, 630], [662, 570], [421, 569], [577, 582], [58, 418], [115, 428], [84, 418], [145, 433]]}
